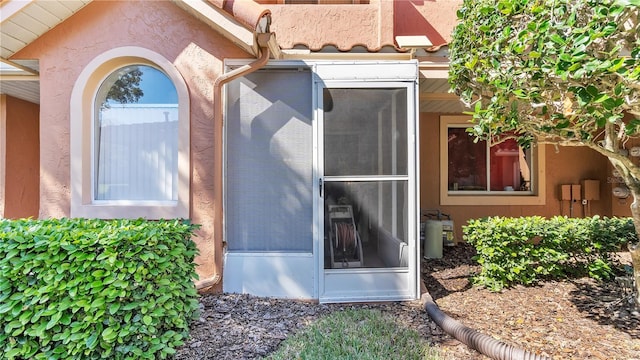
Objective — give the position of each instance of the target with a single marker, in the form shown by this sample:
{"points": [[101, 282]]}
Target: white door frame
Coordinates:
{"points": [[369, 284], [280, 274]]}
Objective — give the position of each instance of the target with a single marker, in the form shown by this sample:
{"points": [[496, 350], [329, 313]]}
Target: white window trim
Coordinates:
{"points": [[81, 128], [3, 150], [536, 197]]}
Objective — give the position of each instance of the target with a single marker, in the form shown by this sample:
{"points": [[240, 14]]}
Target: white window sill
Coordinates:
{"points": [[491, 198]]}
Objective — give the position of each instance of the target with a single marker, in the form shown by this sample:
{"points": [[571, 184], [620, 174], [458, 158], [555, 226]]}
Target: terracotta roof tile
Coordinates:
{"points": [[247, 12], [345, 47]]}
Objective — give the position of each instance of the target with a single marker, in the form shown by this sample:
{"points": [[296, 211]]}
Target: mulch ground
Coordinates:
{"points": [[569, 319]]}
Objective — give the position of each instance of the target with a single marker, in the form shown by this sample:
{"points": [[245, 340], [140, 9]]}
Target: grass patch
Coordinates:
{"points": [[355, 334]]}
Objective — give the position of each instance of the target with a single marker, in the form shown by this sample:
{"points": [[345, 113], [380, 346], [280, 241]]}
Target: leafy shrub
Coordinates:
{"points": [[78, 288], [526, 250]]}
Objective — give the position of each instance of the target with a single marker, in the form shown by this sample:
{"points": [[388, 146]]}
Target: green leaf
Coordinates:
{"points": [[4, 285], [75, 337], [565, 57], [11, 253], [147, 320], [520, 94], [558, 39], [53, 321], [25, 317], [114, 307], [618, 90], [92, 341], [98, 303], [65, 319], [130, 306], [593, 91], [109, 334], [601, 98], [6, 307], [13, 353], [69, 247]]}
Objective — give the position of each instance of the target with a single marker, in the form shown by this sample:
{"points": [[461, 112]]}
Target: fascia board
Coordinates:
{"points": [[220, 21]]}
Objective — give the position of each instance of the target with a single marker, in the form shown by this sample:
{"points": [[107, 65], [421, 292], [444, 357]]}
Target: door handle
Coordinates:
{"points": [[320, 187]]}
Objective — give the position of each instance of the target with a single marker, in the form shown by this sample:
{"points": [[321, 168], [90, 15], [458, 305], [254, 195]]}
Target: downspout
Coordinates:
{"points": [[263, 40], [482, 343]]}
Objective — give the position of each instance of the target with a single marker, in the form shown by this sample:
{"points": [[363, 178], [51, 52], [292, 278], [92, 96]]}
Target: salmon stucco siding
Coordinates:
{"points": [[198, 44], [194, 49], [563, 165], [21, 159]]}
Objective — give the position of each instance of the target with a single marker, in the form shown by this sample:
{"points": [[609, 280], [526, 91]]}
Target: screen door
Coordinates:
{"points": [[368, 190]]}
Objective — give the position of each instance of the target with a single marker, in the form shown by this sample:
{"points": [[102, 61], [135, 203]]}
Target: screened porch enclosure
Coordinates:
{"points": [[320, 190]]}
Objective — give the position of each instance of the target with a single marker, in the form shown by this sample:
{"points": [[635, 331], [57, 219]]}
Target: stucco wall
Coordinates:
{"points": [[372, 25], [435, 19], [195, 50], [567, 165], [344, 26], [3, 137], [21, 193]]}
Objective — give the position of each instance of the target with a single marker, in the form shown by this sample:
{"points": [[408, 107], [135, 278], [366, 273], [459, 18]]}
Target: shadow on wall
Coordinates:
{"points": [[409, 21], [22, 162]]}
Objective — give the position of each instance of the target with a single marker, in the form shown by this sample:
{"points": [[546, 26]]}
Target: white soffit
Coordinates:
{"points": [[434, 87], [23, 21], [20, 79]]}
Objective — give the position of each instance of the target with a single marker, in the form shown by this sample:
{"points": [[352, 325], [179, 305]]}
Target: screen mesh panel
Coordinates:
{"points": [[269, 154]]}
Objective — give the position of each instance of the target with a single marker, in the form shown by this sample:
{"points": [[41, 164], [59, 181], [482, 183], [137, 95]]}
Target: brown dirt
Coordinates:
{"points": [[233, 326], [569, 319], [572, 319]]}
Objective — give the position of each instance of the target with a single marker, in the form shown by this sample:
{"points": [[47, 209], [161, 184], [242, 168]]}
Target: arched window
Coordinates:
{"points": [[136, 136], [129, 138]]}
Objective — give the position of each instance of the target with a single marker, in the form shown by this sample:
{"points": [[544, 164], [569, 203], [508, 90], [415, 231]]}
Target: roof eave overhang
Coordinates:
{"points": [[10, 8], [225, 24], [17, 72]]}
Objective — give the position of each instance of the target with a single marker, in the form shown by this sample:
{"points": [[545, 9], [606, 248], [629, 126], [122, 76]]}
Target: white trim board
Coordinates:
{"points": [[280, 275]]}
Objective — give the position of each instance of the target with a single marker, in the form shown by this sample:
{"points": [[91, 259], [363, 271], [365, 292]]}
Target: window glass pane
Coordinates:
{"points": [[467, 161], [378, 212], [365, 132], [509, 164], [136, 136], [510, 167]]}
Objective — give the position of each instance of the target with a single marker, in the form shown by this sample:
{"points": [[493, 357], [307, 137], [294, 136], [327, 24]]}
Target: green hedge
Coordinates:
{"points": [[526, 250], [90, 289]]}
